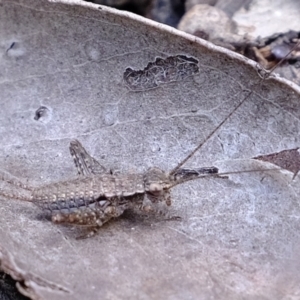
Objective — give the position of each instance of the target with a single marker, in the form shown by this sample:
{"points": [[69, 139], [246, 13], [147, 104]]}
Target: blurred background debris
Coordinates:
{"points": [[8, 290]]}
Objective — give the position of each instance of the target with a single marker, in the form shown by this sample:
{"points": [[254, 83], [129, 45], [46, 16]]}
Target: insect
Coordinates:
{"points": [[98, 195]]}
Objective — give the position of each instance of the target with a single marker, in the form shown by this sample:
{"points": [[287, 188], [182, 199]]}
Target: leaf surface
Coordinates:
{"points": [[70, 70]]}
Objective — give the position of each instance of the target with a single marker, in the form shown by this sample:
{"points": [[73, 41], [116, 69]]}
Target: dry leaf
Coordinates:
{"points": [[62, 77], [286, 159]]}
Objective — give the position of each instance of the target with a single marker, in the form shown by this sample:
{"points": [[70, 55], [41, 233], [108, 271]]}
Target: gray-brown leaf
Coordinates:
{"points": [[237, 238]]}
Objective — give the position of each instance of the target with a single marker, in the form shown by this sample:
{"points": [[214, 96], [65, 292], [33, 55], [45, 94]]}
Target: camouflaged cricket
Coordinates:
{"points": [[97, 195]]}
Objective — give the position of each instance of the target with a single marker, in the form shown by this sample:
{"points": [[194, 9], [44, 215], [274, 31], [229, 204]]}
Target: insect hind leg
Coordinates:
{"points": [[84, 219], [90, 233], [90, 217]]}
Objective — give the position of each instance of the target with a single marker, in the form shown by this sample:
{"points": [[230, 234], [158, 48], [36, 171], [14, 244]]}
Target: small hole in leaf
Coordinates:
{"points": [[41, 112]]}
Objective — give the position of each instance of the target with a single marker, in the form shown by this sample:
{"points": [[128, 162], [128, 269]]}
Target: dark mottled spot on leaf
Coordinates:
{"points": [[161, 71]]}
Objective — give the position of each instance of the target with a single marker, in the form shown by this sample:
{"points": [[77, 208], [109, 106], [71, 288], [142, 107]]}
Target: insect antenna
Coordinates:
{"points": [[264, 74], [184, 175]]}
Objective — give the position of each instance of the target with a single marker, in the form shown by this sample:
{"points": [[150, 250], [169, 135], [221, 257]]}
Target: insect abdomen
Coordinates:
{"points": [[87, 190]]}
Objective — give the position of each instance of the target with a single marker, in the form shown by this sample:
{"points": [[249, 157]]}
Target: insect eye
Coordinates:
{"points": [[155, 188]]}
